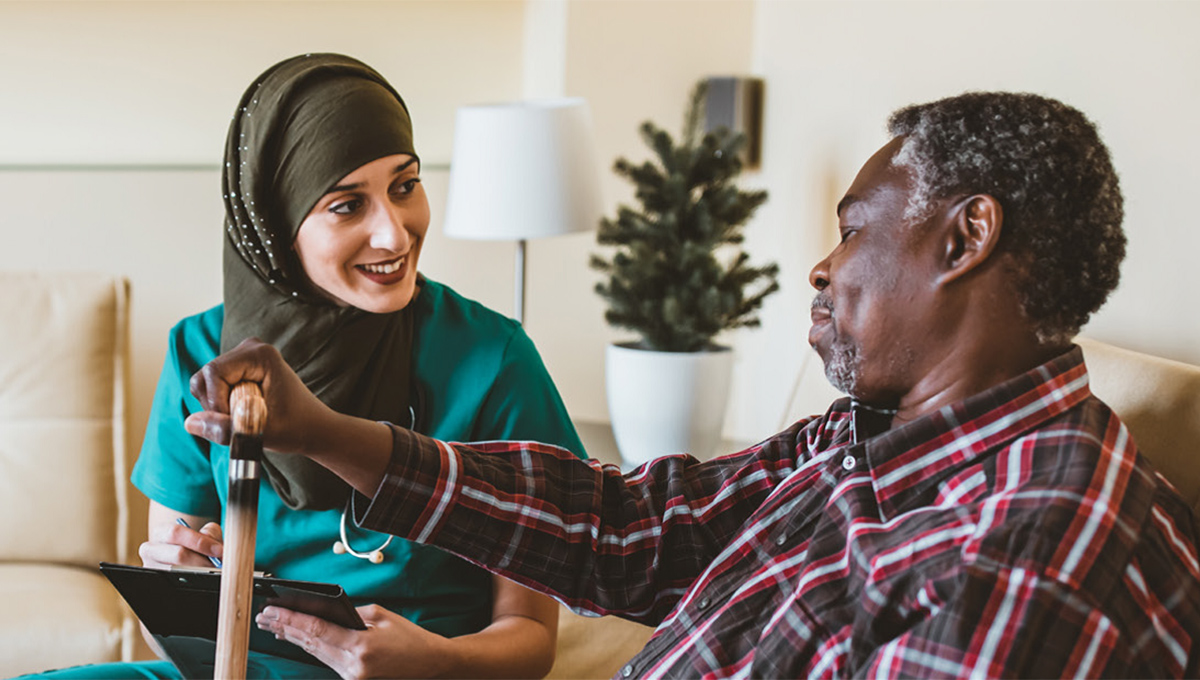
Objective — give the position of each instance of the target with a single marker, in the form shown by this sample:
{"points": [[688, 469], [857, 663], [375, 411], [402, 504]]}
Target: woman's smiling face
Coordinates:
{"points": [[360, 243]]}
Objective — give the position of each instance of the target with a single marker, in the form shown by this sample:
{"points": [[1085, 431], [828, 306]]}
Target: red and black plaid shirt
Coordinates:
{"points": [[1017, 533]]}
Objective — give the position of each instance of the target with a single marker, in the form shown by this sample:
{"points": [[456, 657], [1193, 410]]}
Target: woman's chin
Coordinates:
{"points": [[394, 299]]}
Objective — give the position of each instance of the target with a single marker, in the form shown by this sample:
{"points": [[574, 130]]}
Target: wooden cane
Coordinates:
{"points": [[249, 411]]}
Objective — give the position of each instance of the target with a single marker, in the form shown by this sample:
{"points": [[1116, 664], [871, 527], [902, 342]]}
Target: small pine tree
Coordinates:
{"points": [[665, 281]]}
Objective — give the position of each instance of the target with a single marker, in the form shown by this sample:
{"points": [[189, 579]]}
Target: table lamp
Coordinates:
{"points": [[523, 170]]}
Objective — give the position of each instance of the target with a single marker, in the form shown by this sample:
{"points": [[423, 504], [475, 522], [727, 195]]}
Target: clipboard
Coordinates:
{"points": [[179, 608]]}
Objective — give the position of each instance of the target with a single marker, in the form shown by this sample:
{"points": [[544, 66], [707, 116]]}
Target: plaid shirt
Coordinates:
{"points": [[1016, 533]]}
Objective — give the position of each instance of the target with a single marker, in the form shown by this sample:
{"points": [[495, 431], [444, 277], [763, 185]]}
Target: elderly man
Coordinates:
{"points": [[969, 509]]}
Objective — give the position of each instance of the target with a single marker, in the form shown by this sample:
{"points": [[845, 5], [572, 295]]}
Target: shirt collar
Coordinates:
{"points": [[907, 462]]}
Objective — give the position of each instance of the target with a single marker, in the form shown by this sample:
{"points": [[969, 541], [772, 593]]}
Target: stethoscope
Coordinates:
{"points": [[342, 547]]}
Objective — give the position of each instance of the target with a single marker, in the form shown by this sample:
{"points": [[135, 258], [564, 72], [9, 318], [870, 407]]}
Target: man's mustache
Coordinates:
{"points": [[821, 301]]}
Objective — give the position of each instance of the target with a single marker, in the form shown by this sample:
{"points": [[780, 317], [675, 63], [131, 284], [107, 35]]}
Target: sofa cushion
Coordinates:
{"points": [[62, 435], [1159, 401], [591, 647], [56, 617]]}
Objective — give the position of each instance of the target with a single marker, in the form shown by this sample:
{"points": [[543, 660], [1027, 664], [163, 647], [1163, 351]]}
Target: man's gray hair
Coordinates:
{"points": [[1046, 165]]}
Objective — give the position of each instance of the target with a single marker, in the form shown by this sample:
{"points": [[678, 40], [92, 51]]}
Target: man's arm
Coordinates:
{"points": [[595, 538], [531, 512]]}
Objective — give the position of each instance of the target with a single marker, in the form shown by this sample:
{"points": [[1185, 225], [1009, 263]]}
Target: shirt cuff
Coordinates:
{"points": [[412, 490]]}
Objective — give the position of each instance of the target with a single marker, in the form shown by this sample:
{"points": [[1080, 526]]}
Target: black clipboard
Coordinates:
{"points": [[179, 608]]}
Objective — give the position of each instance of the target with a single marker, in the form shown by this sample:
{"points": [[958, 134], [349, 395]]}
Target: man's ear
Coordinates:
{"points": [[972, 232]]}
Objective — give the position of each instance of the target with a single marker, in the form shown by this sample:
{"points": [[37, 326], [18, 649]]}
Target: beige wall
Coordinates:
{"points": [[152, 83], [633, 61], [155, 81]]}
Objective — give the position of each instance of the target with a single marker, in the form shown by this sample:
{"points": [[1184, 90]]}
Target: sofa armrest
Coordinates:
{"points": [[590, 647]]}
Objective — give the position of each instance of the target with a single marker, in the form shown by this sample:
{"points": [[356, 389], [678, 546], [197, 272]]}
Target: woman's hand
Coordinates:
{"points": [[172, 544], [519, 642], [294, 415], [391, 646]]}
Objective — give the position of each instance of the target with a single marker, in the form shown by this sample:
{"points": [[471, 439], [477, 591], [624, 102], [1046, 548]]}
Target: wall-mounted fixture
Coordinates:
{"points": [[736, 103]]}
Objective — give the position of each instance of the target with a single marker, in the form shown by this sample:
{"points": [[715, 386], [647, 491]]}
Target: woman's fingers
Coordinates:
{"points": [[213, 531], [176, 545], [332, 644]]}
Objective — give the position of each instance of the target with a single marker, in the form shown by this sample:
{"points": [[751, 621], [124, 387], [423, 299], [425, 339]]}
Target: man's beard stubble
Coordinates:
{"points": [[842, 366]]}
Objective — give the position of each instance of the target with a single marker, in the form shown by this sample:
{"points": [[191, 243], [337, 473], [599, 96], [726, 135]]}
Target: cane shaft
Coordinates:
{"points": [[241, 527]]}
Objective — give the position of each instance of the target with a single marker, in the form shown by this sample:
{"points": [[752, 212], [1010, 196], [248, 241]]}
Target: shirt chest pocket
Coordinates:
{"points": [[898, 596]]}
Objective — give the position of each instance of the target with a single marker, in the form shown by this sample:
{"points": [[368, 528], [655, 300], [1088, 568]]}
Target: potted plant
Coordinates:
{"points": [[678, 278]]}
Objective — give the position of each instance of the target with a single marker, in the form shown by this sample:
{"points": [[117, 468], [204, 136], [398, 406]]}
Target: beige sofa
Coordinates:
{"points": [[63, 469], [64, 464]]}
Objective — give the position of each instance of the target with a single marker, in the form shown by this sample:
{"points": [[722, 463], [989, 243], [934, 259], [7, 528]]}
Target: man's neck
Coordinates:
{"points": [[969, 367]]}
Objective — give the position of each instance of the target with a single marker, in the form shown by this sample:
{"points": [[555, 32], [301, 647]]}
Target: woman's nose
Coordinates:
{"points": [[388, 232]]}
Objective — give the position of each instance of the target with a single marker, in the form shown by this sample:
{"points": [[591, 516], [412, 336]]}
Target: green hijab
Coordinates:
{"points": [[303, 125]]}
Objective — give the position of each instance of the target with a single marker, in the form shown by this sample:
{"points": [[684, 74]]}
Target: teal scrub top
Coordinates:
{"points": [[479, 378]]}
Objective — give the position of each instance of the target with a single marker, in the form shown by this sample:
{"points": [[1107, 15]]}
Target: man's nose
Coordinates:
{"points": [[819, 276]]}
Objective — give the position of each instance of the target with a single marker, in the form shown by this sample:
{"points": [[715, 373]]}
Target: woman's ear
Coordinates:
{"points": [[972, 232]]}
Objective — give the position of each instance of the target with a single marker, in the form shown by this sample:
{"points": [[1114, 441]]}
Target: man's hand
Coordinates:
{"points": [[355, 449], [391, 646], [295, 417]]}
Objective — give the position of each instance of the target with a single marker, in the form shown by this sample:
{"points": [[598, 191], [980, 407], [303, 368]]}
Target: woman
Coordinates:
{"points": [[325, 221]]}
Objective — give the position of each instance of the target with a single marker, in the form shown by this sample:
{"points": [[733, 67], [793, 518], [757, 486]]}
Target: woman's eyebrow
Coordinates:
{"points": [[400, 168], [343, 187]]}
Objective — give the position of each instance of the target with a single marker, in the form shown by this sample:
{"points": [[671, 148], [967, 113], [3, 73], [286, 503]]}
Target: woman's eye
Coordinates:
{"points": [[406, 187], [345, 207]]}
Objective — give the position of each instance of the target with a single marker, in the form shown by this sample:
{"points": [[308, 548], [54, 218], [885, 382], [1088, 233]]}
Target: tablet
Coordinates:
{"points": [[179, 608]]}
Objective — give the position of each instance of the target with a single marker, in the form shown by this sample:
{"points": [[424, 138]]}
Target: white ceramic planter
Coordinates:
{"points": [[666, 402]]}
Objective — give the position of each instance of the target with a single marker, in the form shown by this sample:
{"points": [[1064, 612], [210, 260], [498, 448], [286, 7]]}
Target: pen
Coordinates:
{"points": [[183, 523]]}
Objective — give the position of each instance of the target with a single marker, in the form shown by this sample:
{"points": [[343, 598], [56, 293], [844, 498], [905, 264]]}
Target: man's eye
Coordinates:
{"points": [[846, 234], [347, 207]]}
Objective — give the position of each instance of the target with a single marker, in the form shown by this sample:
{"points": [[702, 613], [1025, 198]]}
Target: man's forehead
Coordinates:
{"points": [[878, 172], [847, 201]]}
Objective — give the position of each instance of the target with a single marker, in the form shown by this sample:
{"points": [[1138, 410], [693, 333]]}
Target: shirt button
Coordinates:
{"points": [[627, 670], [848, 463], [781, 539], [703, 603]]}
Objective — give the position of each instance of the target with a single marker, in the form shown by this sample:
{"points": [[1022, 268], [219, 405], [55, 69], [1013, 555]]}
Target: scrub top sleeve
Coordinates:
{"points": [[523, 404], [173, 468]]}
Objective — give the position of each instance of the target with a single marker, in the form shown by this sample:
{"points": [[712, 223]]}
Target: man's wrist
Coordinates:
{"points": [[355, 449]]}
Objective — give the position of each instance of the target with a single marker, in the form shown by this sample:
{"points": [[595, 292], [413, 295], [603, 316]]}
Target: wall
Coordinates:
{"points": [[632, 61], [835, 70], [114, 115], [155, 82]]}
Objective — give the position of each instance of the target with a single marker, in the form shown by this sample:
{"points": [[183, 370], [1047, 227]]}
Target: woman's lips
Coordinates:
{"points": [[385, 273]]}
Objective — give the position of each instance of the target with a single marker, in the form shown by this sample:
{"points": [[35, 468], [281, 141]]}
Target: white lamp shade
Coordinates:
{"points": [[523, 170]]}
